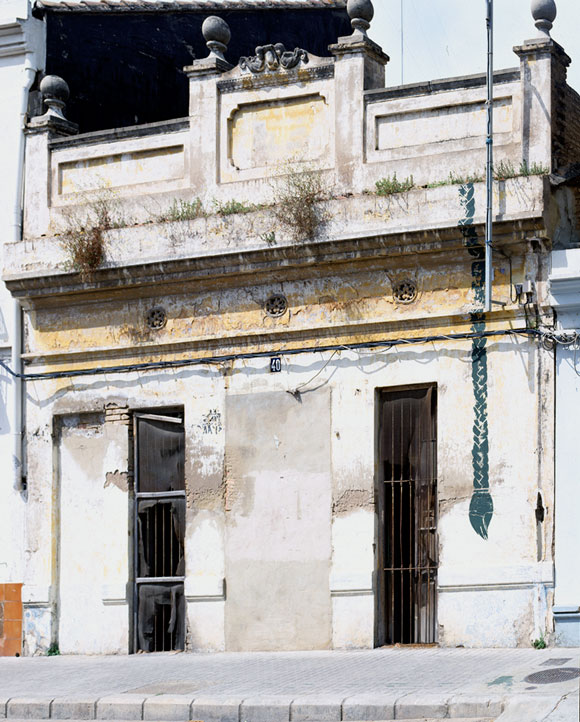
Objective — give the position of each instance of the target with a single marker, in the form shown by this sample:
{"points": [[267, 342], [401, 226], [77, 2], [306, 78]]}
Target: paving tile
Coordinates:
{"points": [[12, 629], [13, 592], [11, 647], [369, 682], [12, 611]]}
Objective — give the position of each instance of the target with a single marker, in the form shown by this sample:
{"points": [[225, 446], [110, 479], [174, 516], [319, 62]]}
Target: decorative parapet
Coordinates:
{"points": [[270, 58], [544, 13], [283, 111]]}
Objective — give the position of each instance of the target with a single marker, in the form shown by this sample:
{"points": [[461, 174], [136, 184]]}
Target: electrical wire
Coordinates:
{"points": [[199, 361], [299, 388]]}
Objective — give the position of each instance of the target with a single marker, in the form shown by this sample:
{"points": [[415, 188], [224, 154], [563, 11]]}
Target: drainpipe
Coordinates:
{"points": [[16, 235], [489, 164]]}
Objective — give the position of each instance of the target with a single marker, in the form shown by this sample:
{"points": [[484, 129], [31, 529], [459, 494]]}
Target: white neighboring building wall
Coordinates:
{"points": [[565, 288], [22, 53]]}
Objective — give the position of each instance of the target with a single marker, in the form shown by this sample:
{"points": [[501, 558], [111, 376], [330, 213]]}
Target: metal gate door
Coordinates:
{"points": [[407, 505], [159, 560]]}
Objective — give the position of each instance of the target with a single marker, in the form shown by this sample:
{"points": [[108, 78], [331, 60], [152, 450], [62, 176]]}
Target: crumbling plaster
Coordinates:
{"points": [[281, 468], [218, 505]]}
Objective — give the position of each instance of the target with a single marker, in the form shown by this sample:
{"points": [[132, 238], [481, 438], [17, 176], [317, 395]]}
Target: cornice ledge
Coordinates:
{"points": [[13, 40], [354, 247], [565, 292]]}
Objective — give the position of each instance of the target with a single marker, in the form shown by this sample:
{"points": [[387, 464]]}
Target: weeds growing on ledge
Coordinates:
{"points": [[298, 194], [505, 169], [502, 171], [229, 208], [534, 169], [83, 239], [387, 186], [453, 179], [181, 210]]}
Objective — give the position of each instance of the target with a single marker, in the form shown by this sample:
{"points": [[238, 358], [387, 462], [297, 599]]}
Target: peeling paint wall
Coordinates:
{"points": [[280, 493], [281, 523], [93, 553], [281, 461], [21, 52]]}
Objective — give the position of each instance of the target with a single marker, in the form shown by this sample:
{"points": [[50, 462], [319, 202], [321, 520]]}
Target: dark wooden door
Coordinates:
{"points": [[407, 555]]}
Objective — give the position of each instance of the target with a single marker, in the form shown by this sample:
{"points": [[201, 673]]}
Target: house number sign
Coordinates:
{"points": [[275, 364]]}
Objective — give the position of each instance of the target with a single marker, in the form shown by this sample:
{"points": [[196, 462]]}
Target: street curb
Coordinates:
{"points": [[305, 708]]}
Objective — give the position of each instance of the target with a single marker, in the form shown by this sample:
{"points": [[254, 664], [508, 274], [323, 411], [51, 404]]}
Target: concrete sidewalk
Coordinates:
{"points": [[381, 684]]}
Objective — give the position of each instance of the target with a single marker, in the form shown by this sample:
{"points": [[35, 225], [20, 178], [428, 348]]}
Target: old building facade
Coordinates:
{"points": [[21, 56], [264, 406]]}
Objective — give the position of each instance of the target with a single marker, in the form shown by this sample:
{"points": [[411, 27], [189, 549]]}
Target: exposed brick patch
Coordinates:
{"points": [[115, 414]]}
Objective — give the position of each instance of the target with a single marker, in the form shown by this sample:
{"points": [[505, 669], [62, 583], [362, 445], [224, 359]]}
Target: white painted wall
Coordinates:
{"points": [[490, 592], [21, 52], [565, 287]]}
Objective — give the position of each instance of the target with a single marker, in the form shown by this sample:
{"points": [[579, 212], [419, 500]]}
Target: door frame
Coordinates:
{"points": [[168, 414], [378, 573]]}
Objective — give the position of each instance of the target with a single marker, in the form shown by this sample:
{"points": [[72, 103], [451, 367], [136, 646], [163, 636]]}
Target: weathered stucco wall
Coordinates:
{"points": [[282, 473], [278, 520], [281, 525], [289, 528], [93, 550], [21, 54]]}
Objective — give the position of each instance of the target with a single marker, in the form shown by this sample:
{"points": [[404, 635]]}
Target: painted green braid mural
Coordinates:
{"points": [[481, 505]]}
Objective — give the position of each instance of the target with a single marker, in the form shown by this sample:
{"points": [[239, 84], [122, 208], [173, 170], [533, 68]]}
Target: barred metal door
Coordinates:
{"points": [[159, 562], [407, 506]]}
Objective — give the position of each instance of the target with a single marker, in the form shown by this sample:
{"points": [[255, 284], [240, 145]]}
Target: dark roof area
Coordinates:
{"points": [[126, 68], [173, 5]]}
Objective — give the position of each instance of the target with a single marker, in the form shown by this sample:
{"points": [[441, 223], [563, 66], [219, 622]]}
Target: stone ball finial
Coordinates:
{"points": [[55, 92], [52, 86], [217, 35], [544, 13], [360, 12]]}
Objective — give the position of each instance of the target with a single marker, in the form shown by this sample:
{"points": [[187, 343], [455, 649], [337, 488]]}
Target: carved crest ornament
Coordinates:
{"points": [[269, 58]]}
